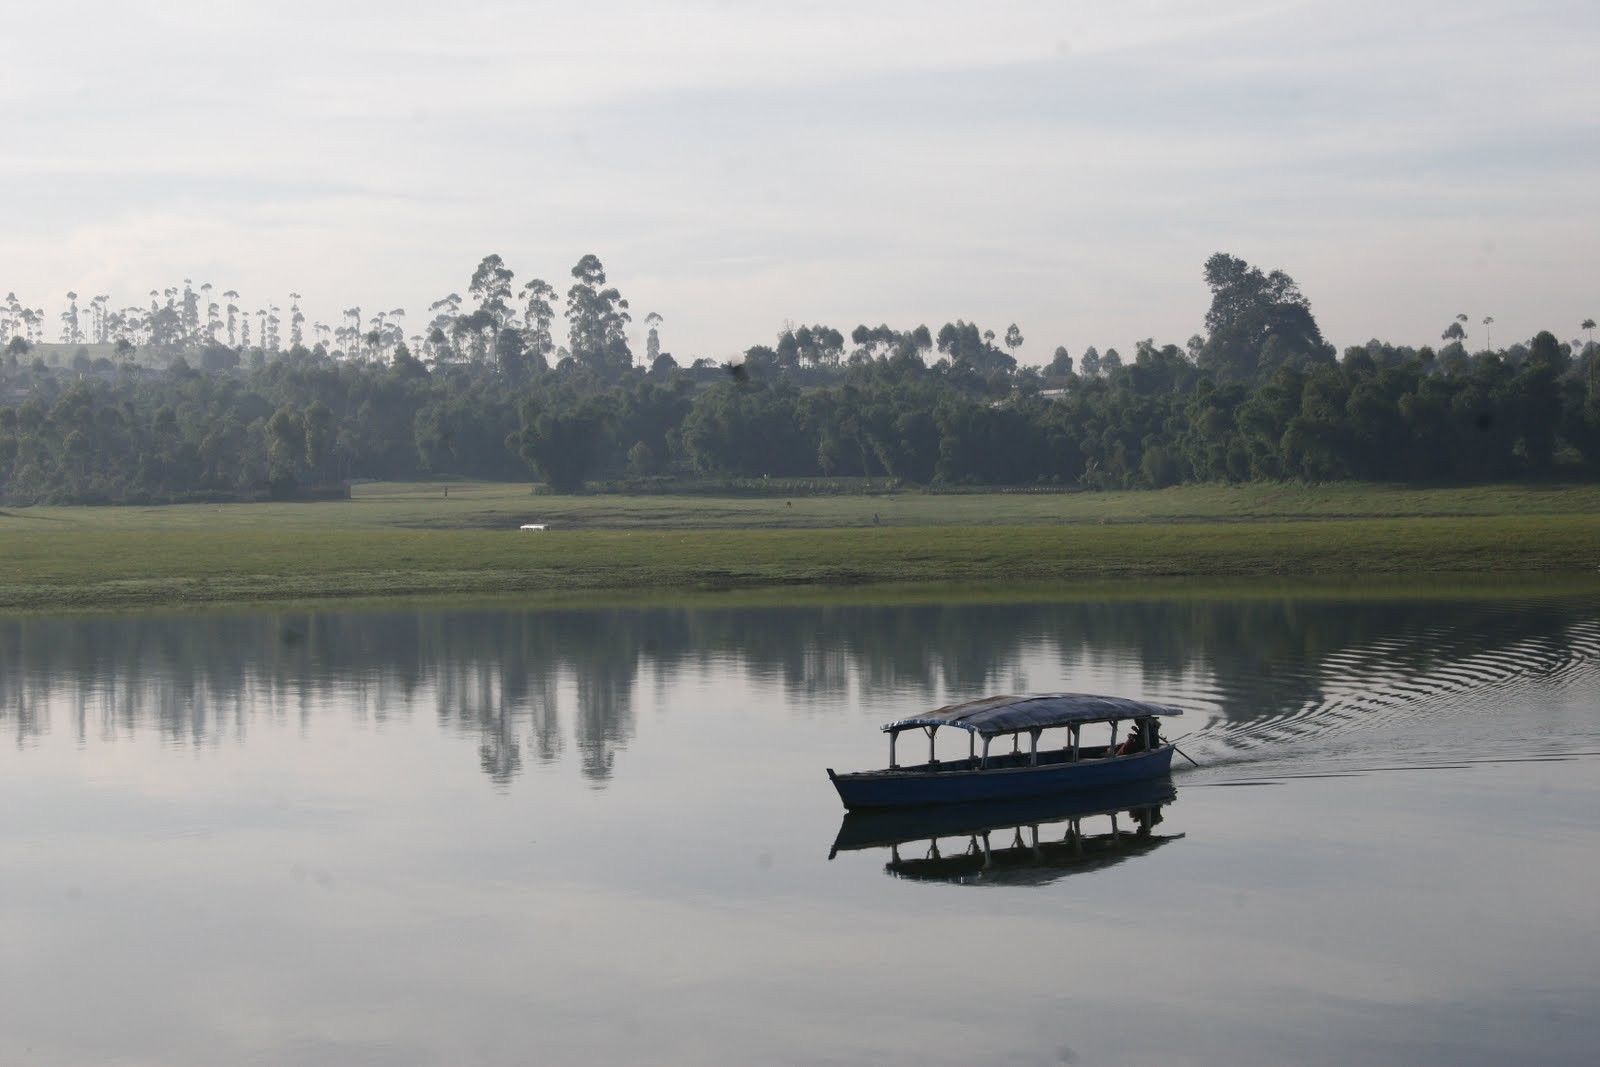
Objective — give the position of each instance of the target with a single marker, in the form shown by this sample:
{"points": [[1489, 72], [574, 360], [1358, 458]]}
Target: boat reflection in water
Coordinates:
{"points": [[1031, 842]]}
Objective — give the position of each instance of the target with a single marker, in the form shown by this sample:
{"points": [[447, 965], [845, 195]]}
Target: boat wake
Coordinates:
{"points": [[1435, 696]]}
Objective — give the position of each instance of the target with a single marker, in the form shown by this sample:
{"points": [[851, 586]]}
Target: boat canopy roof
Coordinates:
{"points": [[1038, 711]]}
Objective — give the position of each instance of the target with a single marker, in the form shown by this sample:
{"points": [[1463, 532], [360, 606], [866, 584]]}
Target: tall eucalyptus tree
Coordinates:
{"points": [[71, 327], [213, 327], [442, 328], [397, 334], [652, 340], [100, 304], [490, 286], [597, 320], [538, 317], [378, 334], [189, 334], [11, 319], [1013, 339], [352, 333]]}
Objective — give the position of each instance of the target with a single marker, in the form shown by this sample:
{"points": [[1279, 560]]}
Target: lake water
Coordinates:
{"points": [[556, 836]]}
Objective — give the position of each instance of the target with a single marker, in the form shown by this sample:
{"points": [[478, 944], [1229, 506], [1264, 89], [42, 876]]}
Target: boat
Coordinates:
{"points": [[1017, 842], [1038, 771]]}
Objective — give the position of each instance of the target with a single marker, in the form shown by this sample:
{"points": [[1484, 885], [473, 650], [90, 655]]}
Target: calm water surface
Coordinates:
{"points": [[509, 836]]}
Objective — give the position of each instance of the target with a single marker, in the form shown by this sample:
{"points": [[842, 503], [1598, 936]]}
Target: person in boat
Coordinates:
{"points": [[1145, 735]]}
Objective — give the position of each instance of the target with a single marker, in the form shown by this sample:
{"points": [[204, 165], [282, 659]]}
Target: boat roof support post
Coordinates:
{"points": [[1111, 749], [894, 735], [986, 740], [933, 754], [1033, 748]]}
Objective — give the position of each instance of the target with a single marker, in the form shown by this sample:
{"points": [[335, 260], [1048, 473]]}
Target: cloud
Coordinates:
{"points": [[1067, 166]]}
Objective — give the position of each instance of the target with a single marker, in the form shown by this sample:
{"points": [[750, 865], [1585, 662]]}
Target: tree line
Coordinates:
{"points": [[500, 324], [487, 392]]}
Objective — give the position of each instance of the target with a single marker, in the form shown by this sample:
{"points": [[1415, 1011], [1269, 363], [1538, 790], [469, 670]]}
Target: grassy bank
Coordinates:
{"points": [[502, 506], [412, 541], [498, 506]]}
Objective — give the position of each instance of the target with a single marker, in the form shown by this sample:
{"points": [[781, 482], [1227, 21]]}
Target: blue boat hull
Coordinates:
{"points": [[918, 786]]}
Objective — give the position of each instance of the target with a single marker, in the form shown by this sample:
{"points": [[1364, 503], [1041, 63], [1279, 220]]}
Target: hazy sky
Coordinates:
{"points": [[1064, 165]]}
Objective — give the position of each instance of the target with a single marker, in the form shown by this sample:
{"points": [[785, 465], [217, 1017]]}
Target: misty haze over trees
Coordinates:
{"points": [[192, 396]]}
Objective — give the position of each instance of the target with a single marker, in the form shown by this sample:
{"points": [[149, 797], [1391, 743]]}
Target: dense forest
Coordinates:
{"points": [[180, 400]]}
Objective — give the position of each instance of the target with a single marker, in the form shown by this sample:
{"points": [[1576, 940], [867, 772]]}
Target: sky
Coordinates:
{"points": [[1066, 166]]}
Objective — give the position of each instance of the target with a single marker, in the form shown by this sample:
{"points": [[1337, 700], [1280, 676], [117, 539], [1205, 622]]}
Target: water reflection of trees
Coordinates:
{"points": [[501, 677]]}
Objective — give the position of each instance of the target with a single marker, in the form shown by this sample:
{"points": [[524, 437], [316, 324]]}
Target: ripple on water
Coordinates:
{"points": [[1486, 687]]}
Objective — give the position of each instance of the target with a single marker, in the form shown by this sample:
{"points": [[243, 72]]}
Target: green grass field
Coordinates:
{"points": [[409, 540], [501, 506]]}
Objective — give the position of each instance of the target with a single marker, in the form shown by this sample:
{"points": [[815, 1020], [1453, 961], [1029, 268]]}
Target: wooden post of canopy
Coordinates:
{"points": [[894, 735], [1111, 749], [1033, 747], [933, 756]]}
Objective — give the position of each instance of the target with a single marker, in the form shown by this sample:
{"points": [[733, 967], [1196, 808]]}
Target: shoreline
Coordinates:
{"points": [[84, 568], [1459, 588]]}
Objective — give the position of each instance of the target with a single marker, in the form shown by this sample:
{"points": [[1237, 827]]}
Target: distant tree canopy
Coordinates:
{"points": [[1257, 323], [597, 318], [485, 392]]}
